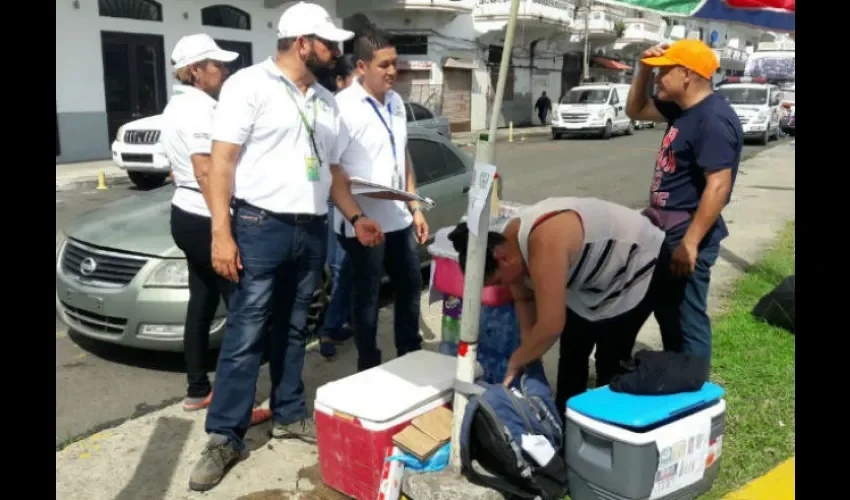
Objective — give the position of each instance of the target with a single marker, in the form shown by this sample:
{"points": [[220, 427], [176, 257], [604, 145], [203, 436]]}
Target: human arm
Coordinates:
{"points": [[420, 225], [717, 152], [232, 123], [638, 104], [199, 141], [548, 266], [524, 306]]}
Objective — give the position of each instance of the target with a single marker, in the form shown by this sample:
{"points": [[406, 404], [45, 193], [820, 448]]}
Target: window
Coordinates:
{"points": [[414, 45], [418, 112], [225, 16], [244, 50], [144, 10], [433, 161], [615, 99]]}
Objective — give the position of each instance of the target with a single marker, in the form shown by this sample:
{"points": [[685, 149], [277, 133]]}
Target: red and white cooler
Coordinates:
{"points": [[357, 417]]}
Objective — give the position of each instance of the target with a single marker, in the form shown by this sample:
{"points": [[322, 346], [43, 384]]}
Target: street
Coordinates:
{"points": [[100, 385]]}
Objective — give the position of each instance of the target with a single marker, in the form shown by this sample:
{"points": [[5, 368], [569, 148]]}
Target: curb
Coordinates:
{"points": [[118, 179], [777, 484], [500, 137]]}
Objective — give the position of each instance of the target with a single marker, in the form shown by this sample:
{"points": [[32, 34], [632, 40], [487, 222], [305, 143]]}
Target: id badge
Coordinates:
{"points": [[312, 165]]}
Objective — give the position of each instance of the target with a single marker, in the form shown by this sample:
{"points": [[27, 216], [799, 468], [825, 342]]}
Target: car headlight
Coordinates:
{"points": [[170, 274], [601, 113], [60, 242], [119, 136]]}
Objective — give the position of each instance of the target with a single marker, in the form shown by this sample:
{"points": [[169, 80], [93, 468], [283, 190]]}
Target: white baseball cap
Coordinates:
{"points": [[304, 19], [194, 48]]}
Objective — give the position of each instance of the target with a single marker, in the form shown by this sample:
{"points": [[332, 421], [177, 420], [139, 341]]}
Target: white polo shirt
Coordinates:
{"points": [[367, 152], [186, 131], [259, 108]]}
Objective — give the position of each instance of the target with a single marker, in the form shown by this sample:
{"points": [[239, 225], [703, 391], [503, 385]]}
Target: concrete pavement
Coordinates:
{"points": [[150, 457]]}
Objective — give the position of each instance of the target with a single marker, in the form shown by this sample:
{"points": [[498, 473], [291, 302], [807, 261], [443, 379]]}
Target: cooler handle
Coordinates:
{"points": [[596, 450]]}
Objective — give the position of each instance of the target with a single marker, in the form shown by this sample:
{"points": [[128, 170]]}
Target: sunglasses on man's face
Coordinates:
{"points": [[327, 43]]}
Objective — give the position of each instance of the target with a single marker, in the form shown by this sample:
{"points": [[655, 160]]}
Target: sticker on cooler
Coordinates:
{"points": [[714, 447], [682, 456], [391, 476]]}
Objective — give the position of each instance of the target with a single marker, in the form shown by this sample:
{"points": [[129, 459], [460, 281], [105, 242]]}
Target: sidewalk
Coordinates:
{"points": [[471, 138], [83, 175], [150, 458]]}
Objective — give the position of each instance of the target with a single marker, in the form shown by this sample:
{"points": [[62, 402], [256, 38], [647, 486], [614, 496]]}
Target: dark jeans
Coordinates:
{"points": [[614, 339], [282, 258], [399, 256], [339, 307], [682, 310], [192, 234]]}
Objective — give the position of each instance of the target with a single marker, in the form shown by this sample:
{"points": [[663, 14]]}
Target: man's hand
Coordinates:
{"points": [[684, 260], [513, 370], [225, 257], [420, 226], [368, 232], [655, 51]]}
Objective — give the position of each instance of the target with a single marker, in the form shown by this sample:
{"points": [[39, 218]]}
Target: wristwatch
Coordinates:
{"points": [[356, 217]]}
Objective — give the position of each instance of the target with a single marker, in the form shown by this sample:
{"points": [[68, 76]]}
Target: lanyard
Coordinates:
{"points": [[386, 126], [304, 121]]}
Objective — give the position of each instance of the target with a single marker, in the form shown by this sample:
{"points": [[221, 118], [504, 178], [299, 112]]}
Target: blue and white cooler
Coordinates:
{"points": [[630, 447]]}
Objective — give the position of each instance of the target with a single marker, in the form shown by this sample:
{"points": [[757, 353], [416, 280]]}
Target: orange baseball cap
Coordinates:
{"points": [[692, 54]]}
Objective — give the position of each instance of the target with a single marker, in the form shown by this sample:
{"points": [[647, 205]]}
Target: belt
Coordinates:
{"points": [[283, 217]]}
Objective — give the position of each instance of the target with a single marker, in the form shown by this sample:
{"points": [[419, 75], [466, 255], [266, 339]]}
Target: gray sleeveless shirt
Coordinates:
{"points": [[616, 264]]}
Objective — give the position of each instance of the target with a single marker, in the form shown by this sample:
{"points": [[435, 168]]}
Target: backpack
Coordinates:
{"points": [[495, 420]]}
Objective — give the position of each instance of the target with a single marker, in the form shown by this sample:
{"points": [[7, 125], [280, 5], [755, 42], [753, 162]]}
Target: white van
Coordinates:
{"points": [[757, 104], [594, 109]]}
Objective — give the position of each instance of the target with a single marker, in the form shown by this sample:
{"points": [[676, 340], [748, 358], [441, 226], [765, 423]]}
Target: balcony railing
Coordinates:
{"points": [[642, 29], [560, 11], [444, 5], [731, 54], [602, 20]]}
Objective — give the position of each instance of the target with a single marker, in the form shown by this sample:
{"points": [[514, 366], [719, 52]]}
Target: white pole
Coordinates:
{"points": [[585, 68], [473, 281]]}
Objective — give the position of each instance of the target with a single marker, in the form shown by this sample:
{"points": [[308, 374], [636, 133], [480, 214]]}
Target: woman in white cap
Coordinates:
{"points": [[199, 67]]}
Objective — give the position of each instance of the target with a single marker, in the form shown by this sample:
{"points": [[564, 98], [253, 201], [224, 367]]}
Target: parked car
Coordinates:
{"points": [[641, 124], [593, 109], [138, 150], [120, 278], [420, 116]]}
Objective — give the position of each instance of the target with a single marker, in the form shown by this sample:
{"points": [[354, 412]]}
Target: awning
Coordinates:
{"points": [[456, 62], [610, 63]]}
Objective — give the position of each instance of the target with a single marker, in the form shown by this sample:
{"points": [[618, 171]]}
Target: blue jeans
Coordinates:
{"points": [[339, 308], [682, 308], [399, 257], [282, 258]]}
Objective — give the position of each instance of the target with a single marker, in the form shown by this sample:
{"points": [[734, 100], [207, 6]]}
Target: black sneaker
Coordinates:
{"points": [[218, 456]]}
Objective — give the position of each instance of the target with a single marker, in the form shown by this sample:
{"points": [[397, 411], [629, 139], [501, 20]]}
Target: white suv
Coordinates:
{"points": [[596, 109], [138, 150]]}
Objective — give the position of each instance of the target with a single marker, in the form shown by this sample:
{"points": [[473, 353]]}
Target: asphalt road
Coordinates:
{"points": [[100, 385]]}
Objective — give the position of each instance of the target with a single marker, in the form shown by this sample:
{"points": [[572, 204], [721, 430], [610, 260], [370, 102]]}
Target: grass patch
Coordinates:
{"points": [[754, 362]]}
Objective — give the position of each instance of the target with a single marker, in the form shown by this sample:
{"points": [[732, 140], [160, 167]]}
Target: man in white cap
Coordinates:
{"points": [[275, 154], [199, 67]]}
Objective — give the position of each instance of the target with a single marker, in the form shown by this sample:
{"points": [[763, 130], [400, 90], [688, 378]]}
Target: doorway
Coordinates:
{"points": [[133, 76], [244, 50]]}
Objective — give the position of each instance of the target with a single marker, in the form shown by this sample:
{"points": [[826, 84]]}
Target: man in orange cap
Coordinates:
{"points": [[695, 170]]}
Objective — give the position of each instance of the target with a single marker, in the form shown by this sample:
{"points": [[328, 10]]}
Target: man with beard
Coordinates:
{"points": [[275, 152], [376, 150]]}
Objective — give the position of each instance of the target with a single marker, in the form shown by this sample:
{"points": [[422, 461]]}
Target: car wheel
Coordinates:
{"points": [[630, 129], [764, 139], [609, 129], [555, 136], [651, 125], [319, 305], [144, 180]]}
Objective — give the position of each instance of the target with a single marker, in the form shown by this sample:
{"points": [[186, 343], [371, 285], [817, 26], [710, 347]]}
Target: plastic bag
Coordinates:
{"points": [[435, 463]]}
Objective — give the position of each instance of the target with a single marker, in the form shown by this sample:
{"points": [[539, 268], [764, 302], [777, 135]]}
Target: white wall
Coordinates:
{"points": [[79, 65]]}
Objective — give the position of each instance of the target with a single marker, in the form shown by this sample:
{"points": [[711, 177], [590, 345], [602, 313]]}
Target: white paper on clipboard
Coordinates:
{"points": [[479, 192], [361, 186]]}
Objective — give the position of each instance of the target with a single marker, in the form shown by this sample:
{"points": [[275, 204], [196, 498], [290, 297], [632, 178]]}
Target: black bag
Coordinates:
{"points": [[491, 433], [777, 307]]}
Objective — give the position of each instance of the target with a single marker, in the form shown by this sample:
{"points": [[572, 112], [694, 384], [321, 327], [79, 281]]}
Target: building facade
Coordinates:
{"points": [[112, 56]]}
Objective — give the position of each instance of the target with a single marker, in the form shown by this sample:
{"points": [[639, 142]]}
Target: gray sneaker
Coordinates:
{"points": [[218, 456], [304, 430]]}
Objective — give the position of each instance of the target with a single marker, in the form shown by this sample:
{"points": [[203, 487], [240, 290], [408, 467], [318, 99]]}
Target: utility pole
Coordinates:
{"points": [[473, 282], [585, 68]]}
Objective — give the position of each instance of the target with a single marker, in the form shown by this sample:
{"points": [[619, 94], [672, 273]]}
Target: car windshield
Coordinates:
{"points": [[586, 96], [744, 95]]}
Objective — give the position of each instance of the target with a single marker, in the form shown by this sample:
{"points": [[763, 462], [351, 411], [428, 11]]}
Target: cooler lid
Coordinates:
{"points": [[631, 410], [392, 389]]}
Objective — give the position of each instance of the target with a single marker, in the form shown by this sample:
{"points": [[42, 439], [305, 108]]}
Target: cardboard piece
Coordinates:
{"points": [[426, 433]]}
